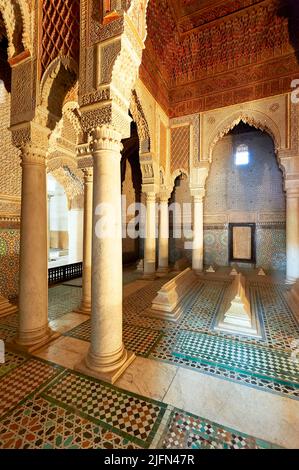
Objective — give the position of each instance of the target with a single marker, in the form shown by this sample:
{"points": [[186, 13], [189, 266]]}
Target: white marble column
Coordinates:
{"points": [[33, 329], [107, 357], [85, 307], [292, 234], [163, 235], [197, 249], [150, 237]]}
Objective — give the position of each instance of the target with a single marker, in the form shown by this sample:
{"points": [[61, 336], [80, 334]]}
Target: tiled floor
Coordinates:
{"points": [[193, 342], [47, 405], [186, 431]]}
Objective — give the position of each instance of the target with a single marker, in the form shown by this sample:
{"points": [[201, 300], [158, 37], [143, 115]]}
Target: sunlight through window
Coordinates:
{"points": [[242, 155]]}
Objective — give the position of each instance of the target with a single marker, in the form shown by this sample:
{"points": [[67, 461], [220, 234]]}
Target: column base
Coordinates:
{"points": [[31, 347], [107, 376], [84, 309], [198, 272], [149, 276], [162, 271]]}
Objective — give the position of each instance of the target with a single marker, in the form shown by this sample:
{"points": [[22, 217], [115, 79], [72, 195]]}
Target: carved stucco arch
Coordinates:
{"points": [[10, 18], [175, 174], [64, 170], [139, 118], [51, 74], [255, 119]]}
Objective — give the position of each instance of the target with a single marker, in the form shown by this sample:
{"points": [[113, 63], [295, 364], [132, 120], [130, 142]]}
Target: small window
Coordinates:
{"points": [[242, 155]]}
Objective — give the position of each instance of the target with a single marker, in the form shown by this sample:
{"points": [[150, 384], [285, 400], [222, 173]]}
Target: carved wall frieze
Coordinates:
{"points": [[141, 122], [103, 94], [22, 97]]}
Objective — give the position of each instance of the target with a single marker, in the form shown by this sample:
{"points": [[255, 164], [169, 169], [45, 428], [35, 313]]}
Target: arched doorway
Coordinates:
{"points": [[180, 219], [245, 205], [131, 180]]}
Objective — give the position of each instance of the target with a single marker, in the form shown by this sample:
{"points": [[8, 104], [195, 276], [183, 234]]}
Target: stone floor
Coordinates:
{"points": [[187, 378]]}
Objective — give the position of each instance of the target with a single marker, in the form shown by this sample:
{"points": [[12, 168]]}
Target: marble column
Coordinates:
{"points": [[163, 266], [107, 358], [292, 233], [150, 237], [85, 307], [33, 329], [197, 249]]}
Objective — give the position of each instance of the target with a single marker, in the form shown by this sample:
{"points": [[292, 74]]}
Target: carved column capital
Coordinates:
{"points": [[88, 175], [164, 197], [150, 197], [32, 154], [105, 138], [198, 195]]}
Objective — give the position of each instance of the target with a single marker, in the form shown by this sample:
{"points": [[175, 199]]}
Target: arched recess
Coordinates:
{"points": [[58, 81], [180, 216], [148, 168], [16, 18], [253, 118], [248, 192], [179, 172]]}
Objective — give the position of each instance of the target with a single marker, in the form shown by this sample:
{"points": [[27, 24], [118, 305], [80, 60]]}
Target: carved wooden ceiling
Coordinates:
{"points": [[204, 54]]}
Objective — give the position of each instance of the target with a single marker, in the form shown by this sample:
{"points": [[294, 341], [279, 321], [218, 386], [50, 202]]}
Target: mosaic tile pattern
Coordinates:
{"points": [[72, 411], [281, 326], [231, 354], [20, 382], [187, 431], [137, 339], [7, 332], [40, 424], [163, 351], [216, 247], [9, 253], [62, 300], [133, 416], [273, 252], [12, 361], [268, 355]]}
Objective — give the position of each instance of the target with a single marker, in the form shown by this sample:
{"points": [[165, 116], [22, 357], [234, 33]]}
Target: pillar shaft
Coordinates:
{"points": [[197, 250], [33, 293], [163, 235], [85, 307], [292, 235], [150, 237], [107, 357]]}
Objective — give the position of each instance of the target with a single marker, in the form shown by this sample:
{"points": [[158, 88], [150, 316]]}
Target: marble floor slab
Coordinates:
{"points": [[269, 417], [67, 322], [147, 377], [67, 352]]}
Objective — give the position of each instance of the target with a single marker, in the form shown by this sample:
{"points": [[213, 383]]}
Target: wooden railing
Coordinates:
{"points": [[64, 273]]}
